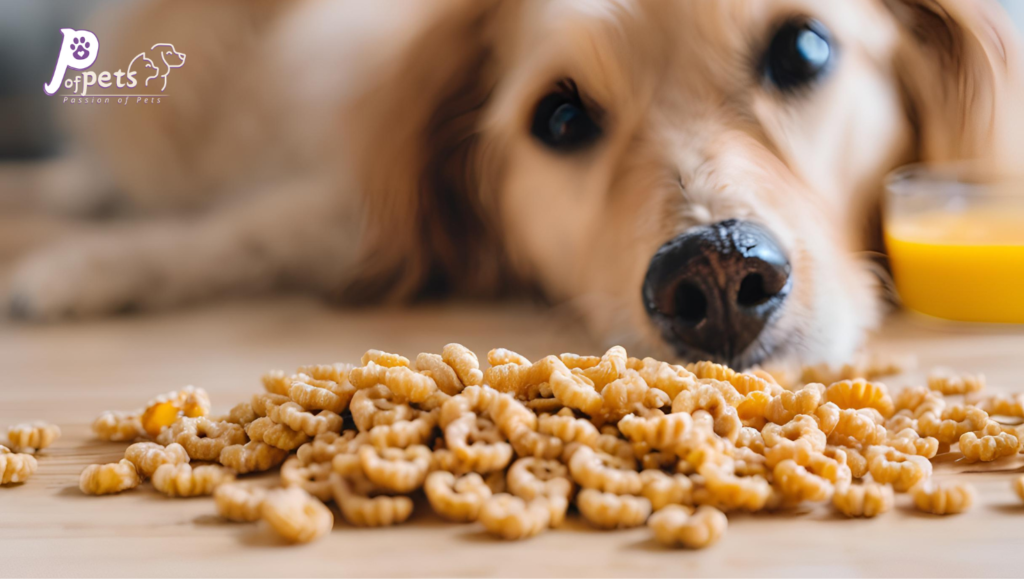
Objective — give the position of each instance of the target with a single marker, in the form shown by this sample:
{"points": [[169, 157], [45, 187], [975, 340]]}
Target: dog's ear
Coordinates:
{"points": [[960, 68], [414, 139]]}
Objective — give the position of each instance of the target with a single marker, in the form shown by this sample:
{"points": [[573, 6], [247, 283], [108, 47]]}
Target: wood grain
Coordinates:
{"points": [[70, 373]]}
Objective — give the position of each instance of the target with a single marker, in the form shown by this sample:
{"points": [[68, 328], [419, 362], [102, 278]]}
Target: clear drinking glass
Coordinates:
{"points": [[955, 238]]}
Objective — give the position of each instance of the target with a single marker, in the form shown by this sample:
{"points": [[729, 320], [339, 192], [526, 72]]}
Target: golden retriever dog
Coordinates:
{"points": [[699, 179]]}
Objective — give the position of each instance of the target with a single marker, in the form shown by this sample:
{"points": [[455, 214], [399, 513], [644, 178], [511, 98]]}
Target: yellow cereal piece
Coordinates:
{"points": [[149, 456], [668, 378], [733, 492], [860, 393], [118, 426], [444, 376], [863, 500], [158, 416], [313, 478], [363, 510], [666, 432], [857, 427], [530, 478], [165, 409], [676, 526], [952, 423], [465, 364], [499, 356], [663, 489], [802, 427], [456, 498], [1000, 404], [908, 441], [528, 442], [943, 499], [16, 467], [988, 448], [477, 443], [241, 414], [277, 435], [203, 439], [576, 391], [385, 359], [313, 394], [239, 502], [368, 376], [337, 372], [105, 479], [567, 428], [902, 471], [182, 480], [513, 518], [295, 515], [32, 437], [377, 406], [297, 418], [325, 446], [409, 385], [710, 399], [400, 470], [949, 384], [799, 484], [405, 433], [598, 470], [612, 511], [253, 456], [1018, 486], [276, 382], [789, 404]]}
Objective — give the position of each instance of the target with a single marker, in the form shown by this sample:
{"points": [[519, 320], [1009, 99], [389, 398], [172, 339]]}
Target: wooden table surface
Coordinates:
{"points": [[70, 373]]}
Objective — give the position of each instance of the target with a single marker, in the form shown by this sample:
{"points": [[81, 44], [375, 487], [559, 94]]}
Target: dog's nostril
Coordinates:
{"points": [[691, 304], [752, 291]]}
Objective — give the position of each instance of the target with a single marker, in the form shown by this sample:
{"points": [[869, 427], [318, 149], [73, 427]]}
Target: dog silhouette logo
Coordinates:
{"points": [[157, 62]]}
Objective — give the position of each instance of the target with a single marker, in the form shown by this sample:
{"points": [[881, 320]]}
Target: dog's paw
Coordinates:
{"points": [[74, 280]]}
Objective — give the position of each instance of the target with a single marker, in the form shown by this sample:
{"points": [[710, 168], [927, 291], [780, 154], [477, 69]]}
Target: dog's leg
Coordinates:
{"points": [[305, 235], [66, 185]]}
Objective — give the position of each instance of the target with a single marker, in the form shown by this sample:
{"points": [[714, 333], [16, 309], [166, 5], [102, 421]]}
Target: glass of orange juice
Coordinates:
{"points": [[955, 238]]}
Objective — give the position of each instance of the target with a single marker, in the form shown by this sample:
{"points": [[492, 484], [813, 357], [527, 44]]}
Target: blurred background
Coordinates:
{"points": [[27, 49]]}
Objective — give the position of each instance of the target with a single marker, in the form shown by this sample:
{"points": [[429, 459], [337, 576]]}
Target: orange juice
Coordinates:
{"points": [[966, 265]]}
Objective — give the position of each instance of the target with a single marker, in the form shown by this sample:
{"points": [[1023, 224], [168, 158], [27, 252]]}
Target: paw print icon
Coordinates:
{"points": [[80, 48]]}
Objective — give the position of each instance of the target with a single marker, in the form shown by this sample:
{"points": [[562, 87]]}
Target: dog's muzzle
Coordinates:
{"points": [[713, 290]]}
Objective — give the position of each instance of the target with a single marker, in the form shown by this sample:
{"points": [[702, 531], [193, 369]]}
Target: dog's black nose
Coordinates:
{"points": [[713, 289]]}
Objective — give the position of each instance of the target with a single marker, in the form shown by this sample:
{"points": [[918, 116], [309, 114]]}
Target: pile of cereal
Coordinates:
{"points": [[513, 446]]}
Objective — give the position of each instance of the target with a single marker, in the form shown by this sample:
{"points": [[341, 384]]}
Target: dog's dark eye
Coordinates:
{"points": [[562, 122], [801, 52]]}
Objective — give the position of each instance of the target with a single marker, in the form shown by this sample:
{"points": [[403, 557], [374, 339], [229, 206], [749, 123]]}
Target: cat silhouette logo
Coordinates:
{"points": [[156, 63]]}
